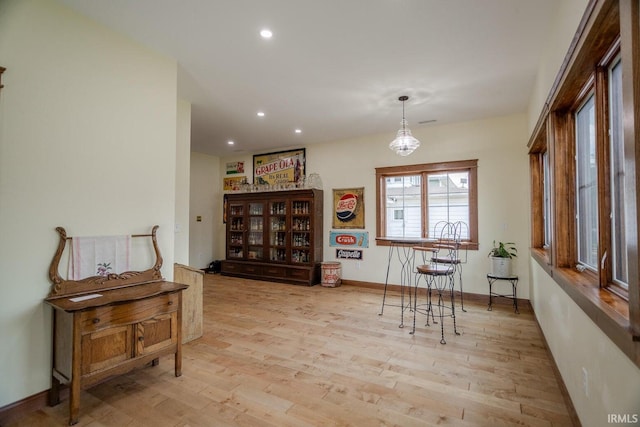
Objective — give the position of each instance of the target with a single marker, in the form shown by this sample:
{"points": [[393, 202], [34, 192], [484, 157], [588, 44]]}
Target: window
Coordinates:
{"points": [[448, 199], [586, 185], [546, 200], [583, 152], [412, 199], [403, 200], [619, 268]]}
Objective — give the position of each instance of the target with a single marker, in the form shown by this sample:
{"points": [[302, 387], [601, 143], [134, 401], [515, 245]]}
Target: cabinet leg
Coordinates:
{"points": [[74, 402], [178, 363], [155, 362], [54, 392]]}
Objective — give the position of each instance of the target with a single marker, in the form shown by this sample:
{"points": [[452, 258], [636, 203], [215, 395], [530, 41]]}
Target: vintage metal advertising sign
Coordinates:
{"points": [[279, 168], [348, 204], [358, 239], [355, 254]]}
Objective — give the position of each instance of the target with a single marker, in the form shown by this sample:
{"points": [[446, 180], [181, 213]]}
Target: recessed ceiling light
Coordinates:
{"points": [[230, 142], [298, 131], [260, 114], [266, 33]]}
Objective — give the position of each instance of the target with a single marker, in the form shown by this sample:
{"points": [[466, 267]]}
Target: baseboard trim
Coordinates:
{"points": [[19, 409], [573, 414], [480, 298]]}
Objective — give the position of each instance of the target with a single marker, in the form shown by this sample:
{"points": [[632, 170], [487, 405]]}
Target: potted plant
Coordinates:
{"points": [[501, 255]]}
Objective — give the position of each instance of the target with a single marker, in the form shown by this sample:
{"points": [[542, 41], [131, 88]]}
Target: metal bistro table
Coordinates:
{"points": [[402, 248], [492, 278]]}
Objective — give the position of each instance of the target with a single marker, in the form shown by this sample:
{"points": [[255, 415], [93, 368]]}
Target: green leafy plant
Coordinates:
{"points": [[503, 250]]}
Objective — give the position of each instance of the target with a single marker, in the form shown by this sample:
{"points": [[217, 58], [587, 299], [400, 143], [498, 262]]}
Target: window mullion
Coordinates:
{"points": [[424, 186], [603, 168]]}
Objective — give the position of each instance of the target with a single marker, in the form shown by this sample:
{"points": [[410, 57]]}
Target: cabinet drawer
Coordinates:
{"points": [[231, 267], [251, 269], [130, 312], [274, 271], [299, 274]]}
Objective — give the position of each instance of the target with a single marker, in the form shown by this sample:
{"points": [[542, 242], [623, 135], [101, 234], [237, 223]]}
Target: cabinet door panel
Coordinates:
{"points": [[156, 333], [106, 348]]}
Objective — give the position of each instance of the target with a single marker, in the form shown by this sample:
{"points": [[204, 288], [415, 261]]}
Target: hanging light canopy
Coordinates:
{"points": [[405, 143]]}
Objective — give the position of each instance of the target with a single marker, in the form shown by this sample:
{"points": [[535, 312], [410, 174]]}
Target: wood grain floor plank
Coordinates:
{"points": [[282, 355]]}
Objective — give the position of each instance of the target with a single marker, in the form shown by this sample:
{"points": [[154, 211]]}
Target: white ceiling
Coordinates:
{"points": [[335, 68]]}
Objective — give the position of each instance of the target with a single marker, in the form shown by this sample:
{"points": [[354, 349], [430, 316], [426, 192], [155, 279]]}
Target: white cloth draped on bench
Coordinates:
{"points": [[99, 256]]}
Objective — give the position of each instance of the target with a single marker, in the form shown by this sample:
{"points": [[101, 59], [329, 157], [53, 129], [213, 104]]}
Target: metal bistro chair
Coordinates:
{"points": [[451, 233], [439, 278]]}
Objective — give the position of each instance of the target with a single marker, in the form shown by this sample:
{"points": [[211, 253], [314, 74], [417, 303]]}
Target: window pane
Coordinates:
{"points": [[448, 200], [546, 199], [587, 190], [403, 206], [618, 244]]}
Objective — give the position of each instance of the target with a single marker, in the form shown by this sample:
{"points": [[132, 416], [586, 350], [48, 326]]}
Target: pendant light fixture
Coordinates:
{"points": [[405, 143]]}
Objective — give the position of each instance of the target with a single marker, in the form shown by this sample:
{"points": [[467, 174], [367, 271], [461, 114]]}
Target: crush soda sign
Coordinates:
{"points": [[346, 208], [358, 239]]}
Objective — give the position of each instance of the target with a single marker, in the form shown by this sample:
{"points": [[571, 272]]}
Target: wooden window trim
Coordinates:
{"points": [[536, 166], [603, 22], [422, 169]]}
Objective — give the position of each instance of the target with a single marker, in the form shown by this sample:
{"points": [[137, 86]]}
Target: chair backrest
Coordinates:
{"points": [[448, 239], [462, 230]]}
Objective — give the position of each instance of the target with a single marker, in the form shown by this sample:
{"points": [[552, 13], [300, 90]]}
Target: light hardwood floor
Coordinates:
{"points": [[284, 355]]}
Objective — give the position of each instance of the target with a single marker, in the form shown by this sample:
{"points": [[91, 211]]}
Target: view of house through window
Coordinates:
{"points": [[403, 201], [414, 198], [448, 196]]}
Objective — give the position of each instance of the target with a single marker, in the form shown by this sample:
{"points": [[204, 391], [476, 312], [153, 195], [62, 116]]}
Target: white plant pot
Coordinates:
{"points": [[501, 267]]}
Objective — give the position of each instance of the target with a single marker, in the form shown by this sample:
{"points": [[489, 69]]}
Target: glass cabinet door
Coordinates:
{"points": [[256, 229], [278, 231], [301, 227], [236, 231]]}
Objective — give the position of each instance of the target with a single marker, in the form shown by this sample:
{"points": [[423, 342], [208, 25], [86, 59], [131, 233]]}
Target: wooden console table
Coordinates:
{"points": [[109, 325]]}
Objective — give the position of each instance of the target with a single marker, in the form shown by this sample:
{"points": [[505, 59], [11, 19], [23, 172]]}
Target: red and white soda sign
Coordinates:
{"points": [[346, 208], [346, 239]]}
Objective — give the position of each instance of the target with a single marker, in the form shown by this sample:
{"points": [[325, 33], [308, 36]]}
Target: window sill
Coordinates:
{"points": [[606, 309], [427, 243]]}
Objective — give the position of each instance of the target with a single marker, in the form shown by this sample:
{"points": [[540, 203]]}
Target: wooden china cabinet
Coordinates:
{"points": [[274, 236]]}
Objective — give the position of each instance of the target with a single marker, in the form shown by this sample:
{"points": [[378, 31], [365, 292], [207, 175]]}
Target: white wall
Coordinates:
{"points": [[183, 176], [497, 143], [88, 142], [575, 341], [613, 381], [207, 236], [566, 20]]}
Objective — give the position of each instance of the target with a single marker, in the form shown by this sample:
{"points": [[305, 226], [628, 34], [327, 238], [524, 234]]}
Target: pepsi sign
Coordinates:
{"points": [[346, 208]]}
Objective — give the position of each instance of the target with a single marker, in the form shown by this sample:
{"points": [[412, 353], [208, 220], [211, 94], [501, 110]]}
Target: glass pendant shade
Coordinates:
{"points": [[405, 143]]}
